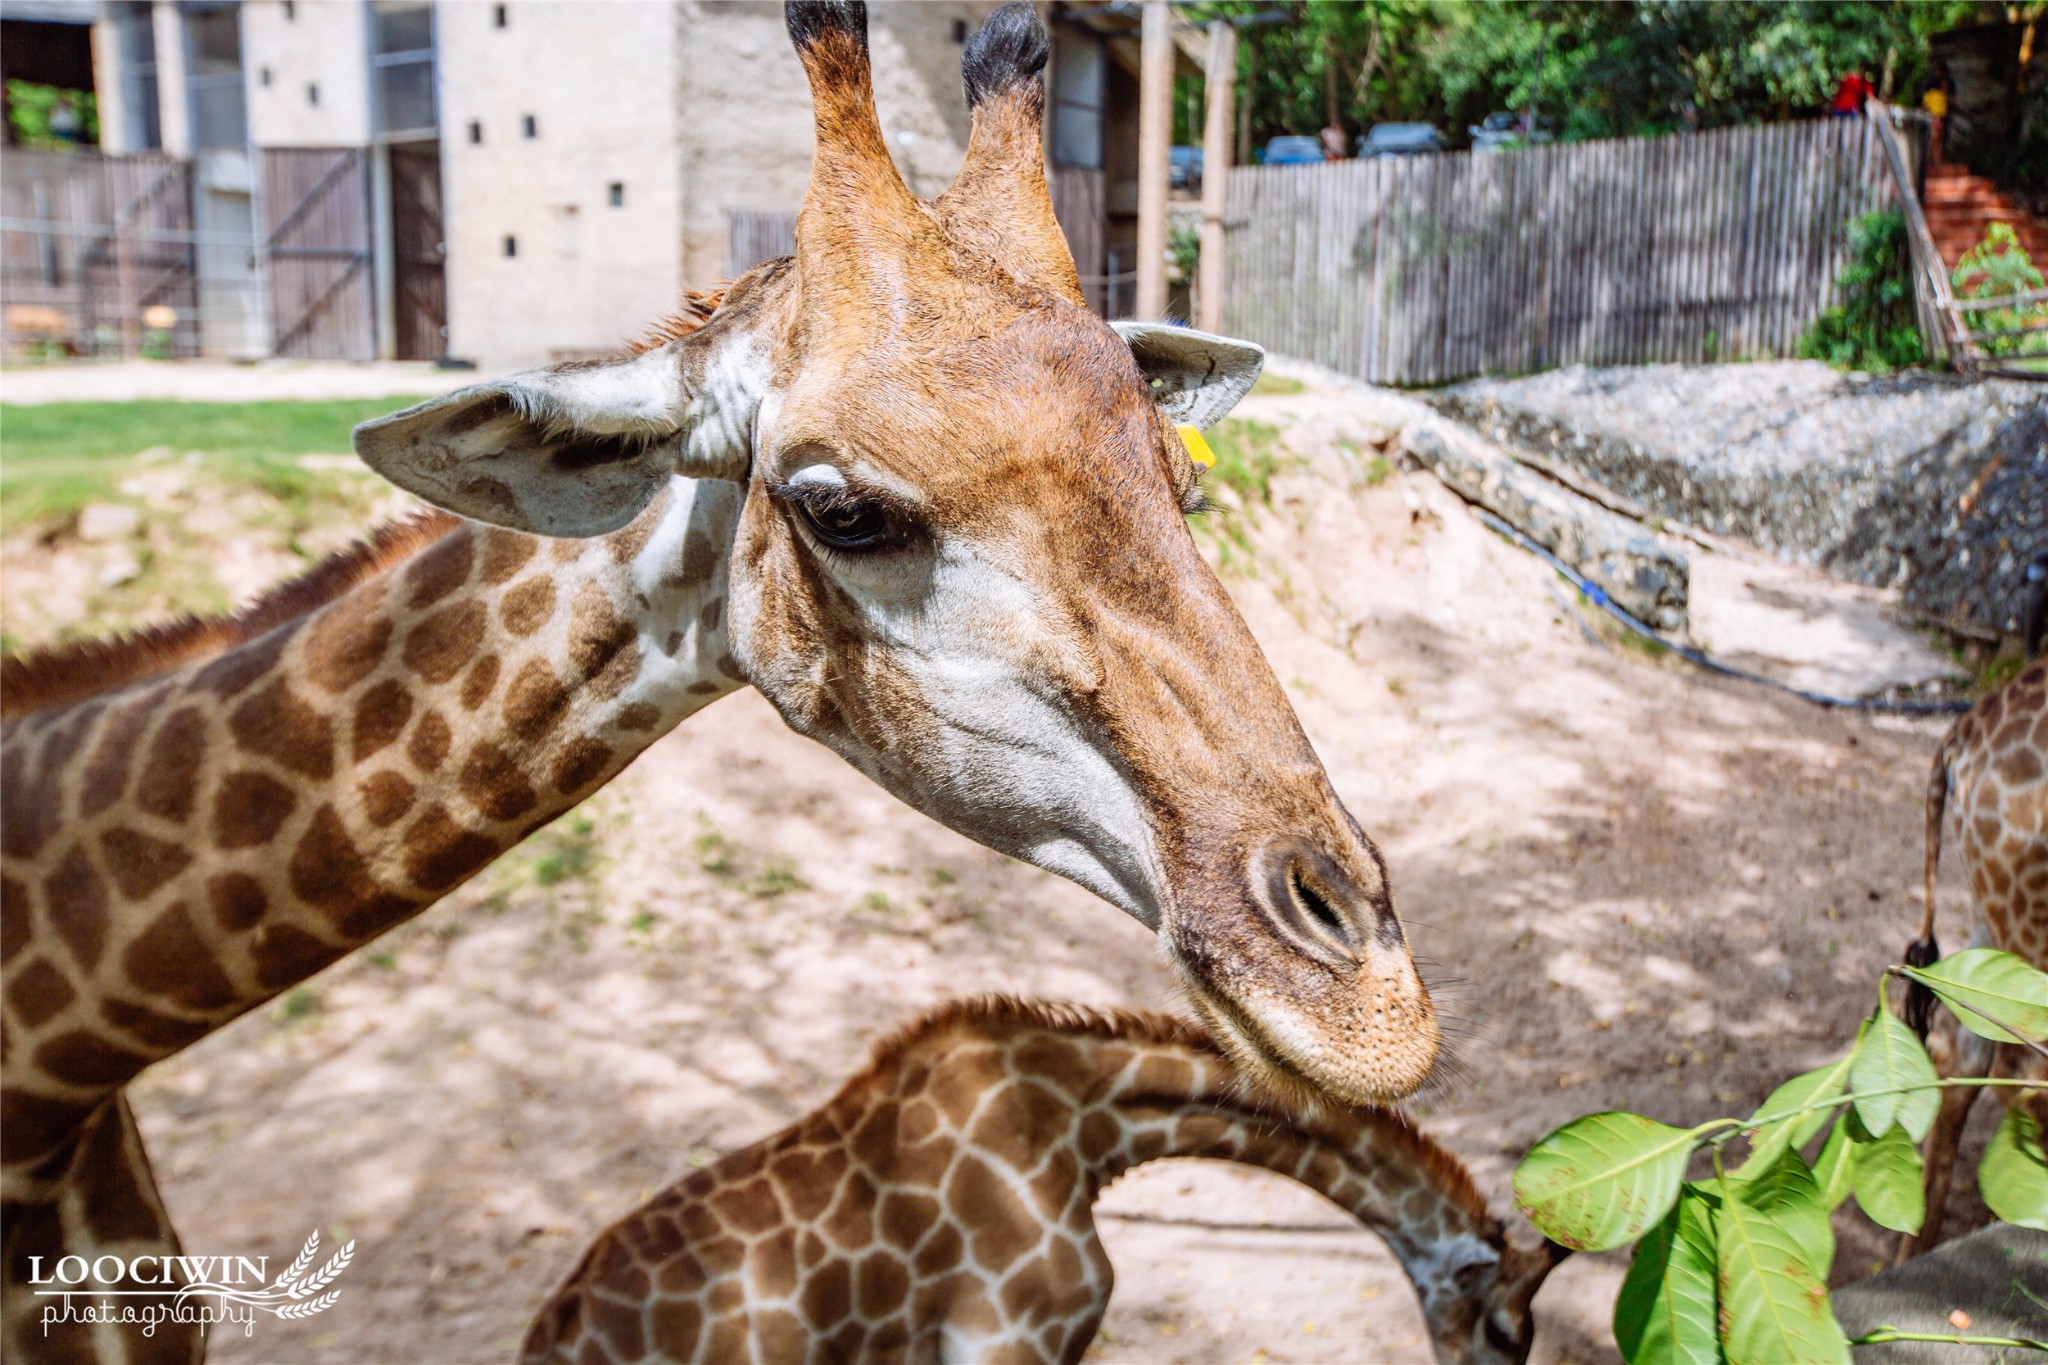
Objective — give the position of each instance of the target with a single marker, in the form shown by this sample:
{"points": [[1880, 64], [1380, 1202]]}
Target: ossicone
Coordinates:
{"points": [[1008, 51], [812, 20]]}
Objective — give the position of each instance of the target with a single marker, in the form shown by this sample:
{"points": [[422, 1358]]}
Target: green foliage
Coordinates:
{"points": [[2014, 1176], [1994, 268], [1773, 1247], [1604, 1179], [1590, 69], [31, 109], [1272, 385], [1668, 1309], [1873, 327], [1982, 985], [1893, 1078], [1734, 1266]]}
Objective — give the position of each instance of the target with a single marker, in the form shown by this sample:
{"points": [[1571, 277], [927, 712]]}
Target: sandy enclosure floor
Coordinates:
{"points": [[1631, 886]]}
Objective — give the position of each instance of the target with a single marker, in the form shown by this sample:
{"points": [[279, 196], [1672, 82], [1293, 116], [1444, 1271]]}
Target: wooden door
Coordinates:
{"points": [[419, 250], [316, 251]]}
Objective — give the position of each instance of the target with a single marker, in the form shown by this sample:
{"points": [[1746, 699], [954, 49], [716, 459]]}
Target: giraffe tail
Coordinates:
{"points": [[1925, 950]]}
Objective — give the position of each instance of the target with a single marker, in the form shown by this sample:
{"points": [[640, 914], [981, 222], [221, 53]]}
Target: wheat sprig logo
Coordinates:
{"points": [[297, 1293]]}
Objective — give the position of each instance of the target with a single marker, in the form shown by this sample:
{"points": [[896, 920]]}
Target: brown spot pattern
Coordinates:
{"points": [[430, 740], [535, 700], [237, 901], [139, 863], [274, 723], [170, 774], [249, 808], [444, 567], [76, 900], [477, 684], [381, 714], [439, 853], [529, 606], [581, 763], [495, 784], [505, 554], [386, 797], [171, 960], [329, 874], [38, 993], [348, 640], [440, 646]]}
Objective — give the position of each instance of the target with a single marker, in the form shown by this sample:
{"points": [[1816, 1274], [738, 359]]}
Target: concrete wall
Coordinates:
{"points": [[745, 110], [324, 44], [599, 80]]}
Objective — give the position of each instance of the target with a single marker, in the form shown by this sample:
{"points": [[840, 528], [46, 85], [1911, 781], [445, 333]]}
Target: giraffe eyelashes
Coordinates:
{"points": [[848, 520]]}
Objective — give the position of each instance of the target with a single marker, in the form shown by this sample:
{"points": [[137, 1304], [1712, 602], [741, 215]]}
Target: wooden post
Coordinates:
{"points": [[1219, 85], [1155, 134]]}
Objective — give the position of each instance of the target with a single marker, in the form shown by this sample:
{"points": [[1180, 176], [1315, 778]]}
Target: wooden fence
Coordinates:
{"points": [[1713, 246], [756, 235], [97, 254]]}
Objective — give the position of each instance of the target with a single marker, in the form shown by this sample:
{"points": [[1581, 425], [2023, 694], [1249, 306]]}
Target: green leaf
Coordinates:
{"points": [[1666, 1311], [2014, 1176], [1888, 1180], [1779, 1128], [1833, 1168], [1889, 1058], [1602, 1180], [1999, 984], [1773, 1248]]}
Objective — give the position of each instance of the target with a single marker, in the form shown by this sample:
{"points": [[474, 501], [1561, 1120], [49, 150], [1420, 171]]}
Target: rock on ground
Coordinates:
{"points": [[1923, 482]]}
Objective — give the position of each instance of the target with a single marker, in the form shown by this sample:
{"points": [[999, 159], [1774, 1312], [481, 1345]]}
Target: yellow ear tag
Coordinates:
{"points": [[1198, 449]]}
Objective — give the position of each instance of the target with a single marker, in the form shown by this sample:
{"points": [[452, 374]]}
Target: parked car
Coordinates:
{"points": [[1401, 139], [1502, 129], [1291, 151], [1184, 167]]}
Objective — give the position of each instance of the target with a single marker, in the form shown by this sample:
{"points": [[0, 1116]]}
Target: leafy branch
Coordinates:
{"points": [[1734, 1266]]}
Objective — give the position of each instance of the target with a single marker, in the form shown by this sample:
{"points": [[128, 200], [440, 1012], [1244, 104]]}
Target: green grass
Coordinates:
{"points": [[57, 457], [1248, 455], [1276, 386]]}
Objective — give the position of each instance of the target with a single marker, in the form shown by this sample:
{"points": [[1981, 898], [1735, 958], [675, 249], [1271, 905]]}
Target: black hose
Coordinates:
{"points": [[1595, 594]]}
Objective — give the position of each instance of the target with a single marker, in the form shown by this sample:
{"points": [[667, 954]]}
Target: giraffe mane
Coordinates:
{"points": [[59, 674], [56, 675], [1332, 1121]]}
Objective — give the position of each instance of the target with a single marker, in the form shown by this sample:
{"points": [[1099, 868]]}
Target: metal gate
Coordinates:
{"points": [[316, 250], [419, 248]]}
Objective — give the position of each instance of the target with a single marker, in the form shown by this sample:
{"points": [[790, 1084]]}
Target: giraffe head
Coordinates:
{"points": [[1476, 1296], [962, 561]]}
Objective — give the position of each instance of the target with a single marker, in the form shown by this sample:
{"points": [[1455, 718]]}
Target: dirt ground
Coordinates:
{"points": [[1630, 885]]}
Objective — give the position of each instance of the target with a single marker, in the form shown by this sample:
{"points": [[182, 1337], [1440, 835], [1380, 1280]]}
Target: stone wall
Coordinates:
{"points": [[1921, 482]]}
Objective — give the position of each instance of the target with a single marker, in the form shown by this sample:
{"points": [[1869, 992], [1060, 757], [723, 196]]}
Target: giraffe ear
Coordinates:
{"points": [[1195, 376], [575, 450]]}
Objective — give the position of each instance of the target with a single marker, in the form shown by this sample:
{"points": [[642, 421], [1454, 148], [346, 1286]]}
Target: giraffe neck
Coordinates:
{"points": [[182, 849], [1173, 1100]]}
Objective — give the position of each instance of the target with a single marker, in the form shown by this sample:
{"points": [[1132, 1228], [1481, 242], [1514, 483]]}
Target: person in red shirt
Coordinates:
{"points": [[1854, 89]]}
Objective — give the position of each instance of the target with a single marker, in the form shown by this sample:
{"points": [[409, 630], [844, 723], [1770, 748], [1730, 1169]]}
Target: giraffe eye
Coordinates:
{"points": [[847, 521]]}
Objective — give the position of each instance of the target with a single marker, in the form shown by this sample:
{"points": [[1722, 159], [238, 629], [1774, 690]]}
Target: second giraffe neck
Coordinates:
{"points": [[200, 840], [1172, 1100]]}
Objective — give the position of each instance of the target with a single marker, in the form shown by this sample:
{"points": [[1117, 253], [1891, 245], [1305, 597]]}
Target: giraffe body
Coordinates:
{"points": [[902, 483], [939, 1208], [1991, 772]]}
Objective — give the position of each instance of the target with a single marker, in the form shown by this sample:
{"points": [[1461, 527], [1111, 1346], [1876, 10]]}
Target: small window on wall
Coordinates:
{"points": [[262, 75], [532, 126], [511, 246], [290, 11], [959, 30], [498, 16], [476, 131], [313, 94], [615, 194]]}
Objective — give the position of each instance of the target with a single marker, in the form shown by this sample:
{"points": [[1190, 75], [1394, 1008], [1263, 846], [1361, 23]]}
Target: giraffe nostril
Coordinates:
{"points": [[1313, 903], [1311, 899]]}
